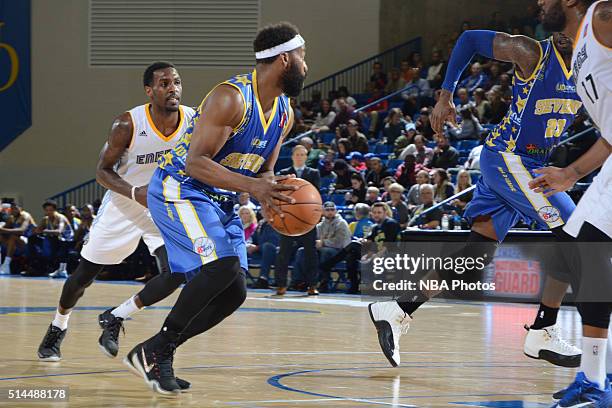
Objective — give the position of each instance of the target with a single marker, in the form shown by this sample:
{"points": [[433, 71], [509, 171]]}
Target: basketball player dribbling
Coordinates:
{"points": [[590, 24], [138, 138], [230, 147]]}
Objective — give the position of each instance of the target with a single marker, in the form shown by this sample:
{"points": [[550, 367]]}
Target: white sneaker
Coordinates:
{"points": [[5, 269], [547, 344], [59, 273], [391, 322]]}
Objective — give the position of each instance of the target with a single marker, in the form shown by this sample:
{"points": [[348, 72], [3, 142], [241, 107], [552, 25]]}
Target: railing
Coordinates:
{"points": [[356, 76], [84, 193]]}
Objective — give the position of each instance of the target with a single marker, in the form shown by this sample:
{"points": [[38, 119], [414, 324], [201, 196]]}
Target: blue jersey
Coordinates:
{"points": [[543, 106], [249, 145]]}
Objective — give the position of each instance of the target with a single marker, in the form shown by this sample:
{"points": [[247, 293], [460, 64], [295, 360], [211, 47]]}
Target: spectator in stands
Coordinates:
{"points": [[407, 71], [395, 126], [265, 242], [325, 117], [244, 199], [344, 148], [378, 172], [362, 225], [386, 183], [326, 170], [445, 156], [87, 218], [56, 230], [344, 113], [357, 161], [288, 244], [410, 106], [405, 139], [73, 215], [494, 73], [401, 213], [442, 185], [469, 129], [505, 87], [406, 172], [315, 101], [423, 124], [343, 172], [414, 194], [333, 235], [357, 139], [396, 82], [14, 235], [372, 195], [298, 122], [308, 115], [432, 219], [482, 106], [378, 79], [343, 93], [473, 161], [463, 98], [436, 70], [358, 193], [419, 89], [464, 181], [499, 106], [314, 154], [477, 78], [374, 111], [419, 149], [416, 61], [249, 221]]}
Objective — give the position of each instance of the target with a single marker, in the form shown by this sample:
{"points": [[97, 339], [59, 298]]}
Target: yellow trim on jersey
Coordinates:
{"points": [[157, 132], [262, 117], [568, 74], [522, 176], [535, 70], [133, 130], [579, 31], [244, 104]]}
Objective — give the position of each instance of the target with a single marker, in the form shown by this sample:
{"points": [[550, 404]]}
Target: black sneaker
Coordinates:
{"points": [[109, 339], [155, 366], [49, 349], [261, 284], [184, 384]]}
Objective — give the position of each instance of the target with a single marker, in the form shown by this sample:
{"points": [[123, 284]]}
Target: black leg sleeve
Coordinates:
{"points": [[76, 284], [162, 285]]}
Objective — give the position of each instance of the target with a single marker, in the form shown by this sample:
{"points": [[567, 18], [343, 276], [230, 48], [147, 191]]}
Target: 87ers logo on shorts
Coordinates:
{"points": [[549, 214], [203, 246]]}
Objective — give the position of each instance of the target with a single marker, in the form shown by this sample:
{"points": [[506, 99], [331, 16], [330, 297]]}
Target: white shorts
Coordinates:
{"points": [[595, 206], [117, 230]]}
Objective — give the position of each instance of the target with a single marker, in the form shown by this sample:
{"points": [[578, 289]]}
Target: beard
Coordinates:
{"points": [[292, 81], [554, 19]]}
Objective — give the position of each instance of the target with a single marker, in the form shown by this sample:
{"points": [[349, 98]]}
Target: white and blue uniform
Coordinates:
{"points": [[543, 106], [197, 220]]}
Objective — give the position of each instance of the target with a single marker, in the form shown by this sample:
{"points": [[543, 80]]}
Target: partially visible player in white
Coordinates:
{"points": [[590, 23], [138, 139]]}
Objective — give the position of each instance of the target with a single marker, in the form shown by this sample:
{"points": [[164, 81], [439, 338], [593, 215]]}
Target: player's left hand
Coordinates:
{"points": [[444, 111], [140, 194], [552, 180]]}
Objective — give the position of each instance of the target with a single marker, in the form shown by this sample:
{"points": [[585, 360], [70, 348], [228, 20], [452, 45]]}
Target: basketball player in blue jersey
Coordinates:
{"points": [[231, 146], [544, 105]]}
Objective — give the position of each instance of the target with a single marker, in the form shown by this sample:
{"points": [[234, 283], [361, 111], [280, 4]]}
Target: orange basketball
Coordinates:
{"points": [[302, 216]]}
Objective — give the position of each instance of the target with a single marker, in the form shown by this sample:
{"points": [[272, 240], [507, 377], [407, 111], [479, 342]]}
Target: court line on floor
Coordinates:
{"points": [[15, 310]]}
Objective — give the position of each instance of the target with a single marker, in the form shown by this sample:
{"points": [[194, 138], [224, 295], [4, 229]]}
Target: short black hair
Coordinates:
{"points": [[147, 77], [51, 203], [271, 36]]}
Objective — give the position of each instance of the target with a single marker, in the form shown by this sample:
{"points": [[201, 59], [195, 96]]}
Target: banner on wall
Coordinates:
{"points": [[15, 84]]}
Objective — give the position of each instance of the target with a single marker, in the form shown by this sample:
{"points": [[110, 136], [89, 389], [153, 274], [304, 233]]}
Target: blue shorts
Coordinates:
{"points": [[196, 229], [503, 193]]}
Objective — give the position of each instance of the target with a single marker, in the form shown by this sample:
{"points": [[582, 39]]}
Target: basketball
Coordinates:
{"points": [[302, 216]]}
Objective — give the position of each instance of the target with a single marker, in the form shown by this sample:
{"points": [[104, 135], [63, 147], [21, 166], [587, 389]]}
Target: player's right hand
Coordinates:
{"points": [[444, 111], [267, 189]]}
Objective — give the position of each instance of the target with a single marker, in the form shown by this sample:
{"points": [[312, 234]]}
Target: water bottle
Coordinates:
{"points": [[445, 222], [457, 222]]}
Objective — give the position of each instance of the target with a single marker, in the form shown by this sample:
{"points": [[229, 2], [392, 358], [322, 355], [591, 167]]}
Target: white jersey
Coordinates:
{"points": [[121, 221], [592, 69]]}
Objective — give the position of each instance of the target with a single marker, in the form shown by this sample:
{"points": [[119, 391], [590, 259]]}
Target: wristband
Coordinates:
{"points": [[133, 191]]}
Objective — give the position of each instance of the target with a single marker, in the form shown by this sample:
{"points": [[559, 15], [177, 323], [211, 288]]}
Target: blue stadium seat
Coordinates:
{"points": [[467, 144], [394, 163], [285, 151], [396, 104], [475, 177], [431, 144], [383, 148], [338, 198], [327, 137], [282, 162]]}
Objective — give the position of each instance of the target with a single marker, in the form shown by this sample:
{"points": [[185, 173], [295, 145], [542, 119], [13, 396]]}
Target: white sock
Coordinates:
{"points": [[61, 321], [63, 266], [593, 362], [126, 309], [7, 261], [609, 354]]}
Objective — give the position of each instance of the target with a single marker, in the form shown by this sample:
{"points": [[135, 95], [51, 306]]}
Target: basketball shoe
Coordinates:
{"points": [[155, 366], [109, 339], [584, 393], [547, 344], [391, 322], [49, 349]]}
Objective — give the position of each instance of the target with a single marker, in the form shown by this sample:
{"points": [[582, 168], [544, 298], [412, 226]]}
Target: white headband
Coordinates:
{"points": [[292, 44]]}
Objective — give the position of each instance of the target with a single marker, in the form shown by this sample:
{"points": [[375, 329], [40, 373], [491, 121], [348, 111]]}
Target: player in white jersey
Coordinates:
{"points": [[590, 23], [137, 140]]}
